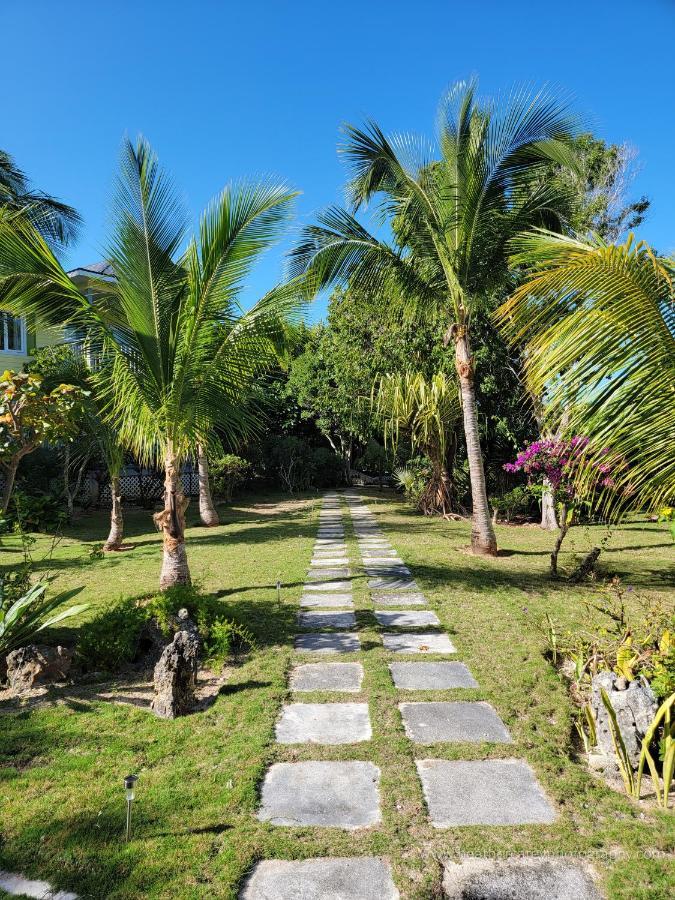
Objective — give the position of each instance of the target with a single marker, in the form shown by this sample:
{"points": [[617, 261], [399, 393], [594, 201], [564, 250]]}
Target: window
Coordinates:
{"points": [[12, 333]]}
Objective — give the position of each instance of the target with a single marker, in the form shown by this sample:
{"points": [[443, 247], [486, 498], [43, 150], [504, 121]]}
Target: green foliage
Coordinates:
{"points": [[227, 473], [517, 500], [414, 478], [375, 459], [663, 720], [110, 641], [44, 512], [290, 459], [21, 618], [625, 766]]}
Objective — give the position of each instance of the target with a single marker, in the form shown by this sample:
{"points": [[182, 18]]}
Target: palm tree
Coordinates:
{"points": [[451, 210], [207, 511], [57, 222], [176, 353], [426, 411], [598, 323]]}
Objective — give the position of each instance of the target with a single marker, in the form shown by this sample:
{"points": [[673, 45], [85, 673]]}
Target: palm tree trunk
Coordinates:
{"points": [[483, 540], [207, 511], [171, 522], [116, 535]]}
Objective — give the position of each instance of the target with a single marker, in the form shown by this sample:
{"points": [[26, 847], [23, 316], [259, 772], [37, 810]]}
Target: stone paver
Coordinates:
{"points": [[407, 618], [483, 792], [395, 584], [429, 642], [431, 676], [398, 598], [464, 721], [392, 570], [331, 572], [19, 885], [346, 677], [331, 642], [329, 561], [520, 878], [326, 619], [331, 585], [330, 794], [371, 561], [324, 723], [376, 554], [343, 598], [360, 878]]}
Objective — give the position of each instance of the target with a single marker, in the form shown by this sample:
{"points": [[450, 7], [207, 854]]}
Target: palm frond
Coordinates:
{"points": [[598, 322]]}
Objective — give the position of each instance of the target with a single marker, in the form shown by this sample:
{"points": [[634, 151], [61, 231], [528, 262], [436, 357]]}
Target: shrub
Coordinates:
{"points": [[292, 463], [227, 473], [414, 478], [110, 641], [326, 468], [21, 618], [512, 502], [37, 512], [375, 459]]}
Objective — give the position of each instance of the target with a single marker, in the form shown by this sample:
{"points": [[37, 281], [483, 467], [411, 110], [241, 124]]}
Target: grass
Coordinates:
{"points": [[196, 835]]}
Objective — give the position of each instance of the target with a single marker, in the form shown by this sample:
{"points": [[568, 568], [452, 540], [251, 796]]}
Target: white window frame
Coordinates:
{"points": [[5, 334]]}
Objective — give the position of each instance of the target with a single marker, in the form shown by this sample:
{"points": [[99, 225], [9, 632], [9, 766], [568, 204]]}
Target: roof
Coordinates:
{"points": [[94, 270]]}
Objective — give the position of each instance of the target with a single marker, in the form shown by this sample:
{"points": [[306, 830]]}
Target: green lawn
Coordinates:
{"points": [[196, 835]]}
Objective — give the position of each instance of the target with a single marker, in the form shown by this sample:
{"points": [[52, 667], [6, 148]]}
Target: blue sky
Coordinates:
{"points": [[226, 90]]}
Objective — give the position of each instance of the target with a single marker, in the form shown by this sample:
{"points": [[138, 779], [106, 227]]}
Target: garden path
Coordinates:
{"points": [[346, 794]]}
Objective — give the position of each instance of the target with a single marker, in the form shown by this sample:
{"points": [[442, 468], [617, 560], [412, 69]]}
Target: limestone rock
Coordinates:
{"points": [[36, 665], [635, 707], [176, 674]]}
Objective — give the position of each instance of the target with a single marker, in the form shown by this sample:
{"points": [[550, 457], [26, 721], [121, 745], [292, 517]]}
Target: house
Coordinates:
{"points": [[18, 340]]}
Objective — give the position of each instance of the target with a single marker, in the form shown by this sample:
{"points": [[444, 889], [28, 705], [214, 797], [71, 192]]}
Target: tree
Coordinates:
{"points": [[175, 352], [427, 412], [29, 417], [451, 219], [57, 222], [64, 362], [598, 325]]}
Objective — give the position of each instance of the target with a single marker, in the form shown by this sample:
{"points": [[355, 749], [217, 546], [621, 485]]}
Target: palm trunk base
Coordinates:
{"points": [[436, 498], [175, 569], [481, 544]]}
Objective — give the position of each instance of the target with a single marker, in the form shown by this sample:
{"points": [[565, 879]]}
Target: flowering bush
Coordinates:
{"points": [[560, 461]]}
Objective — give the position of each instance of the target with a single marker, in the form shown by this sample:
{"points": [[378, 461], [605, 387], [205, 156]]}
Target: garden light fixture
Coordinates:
{"points": [[129, 787]]}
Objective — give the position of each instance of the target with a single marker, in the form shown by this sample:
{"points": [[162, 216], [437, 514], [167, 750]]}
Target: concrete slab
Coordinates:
{"points": [[398, 598], [329, 572], [332, 601], [407, 618], [324, 723], [329, 794], [338, 878], [20, 886], [520, 878], [328, 552], [483, 792], [330, 642], [433, 723], [431, 676], [386, 570], [343, 677], [375, 558], [331, 585], [326, 619], [323, 562], [429, 642], [404, 583]]}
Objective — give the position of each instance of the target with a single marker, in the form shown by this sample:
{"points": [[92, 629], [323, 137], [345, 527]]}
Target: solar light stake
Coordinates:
{"points": [[129, 786], [279, 593]]}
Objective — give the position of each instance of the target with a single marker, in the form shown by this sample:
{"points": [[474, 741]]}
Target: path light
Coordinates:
{"points": [[129, 787], [279, 593]]}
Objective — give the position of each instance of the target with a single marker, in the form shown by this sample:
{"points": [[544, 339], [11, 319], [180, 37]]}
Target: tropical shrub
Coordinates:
{"points": [[21, 618], [38, 512], [111, 640], [413, 479], [327, 468], [291, 461], [563, 463], [227, 473], [375, 460], [514, 501]]}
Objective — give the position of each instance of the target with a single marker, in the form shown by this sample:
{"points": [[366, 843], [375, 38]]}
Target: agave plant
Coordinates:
{"points": [[177, 355], [22, 619]]}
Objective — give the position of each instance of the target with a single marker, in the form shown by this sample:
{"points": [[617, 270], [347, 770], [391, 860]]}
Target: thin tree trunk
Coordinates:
{"points": [[116, 535], [66, 482], [10, 478], [549, 520], [171, 522], [563, 529], [207, 511], [483, 540]]}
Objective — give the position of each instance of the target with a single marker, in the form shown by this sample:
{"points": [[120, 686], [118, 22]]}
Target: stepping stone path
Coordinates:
{"points": [[345, 794]]}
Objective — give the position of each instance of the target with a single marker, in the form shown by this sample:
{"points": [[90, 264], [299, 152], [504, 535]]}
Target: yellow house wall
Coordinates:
{"points": [[43, 337]]}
